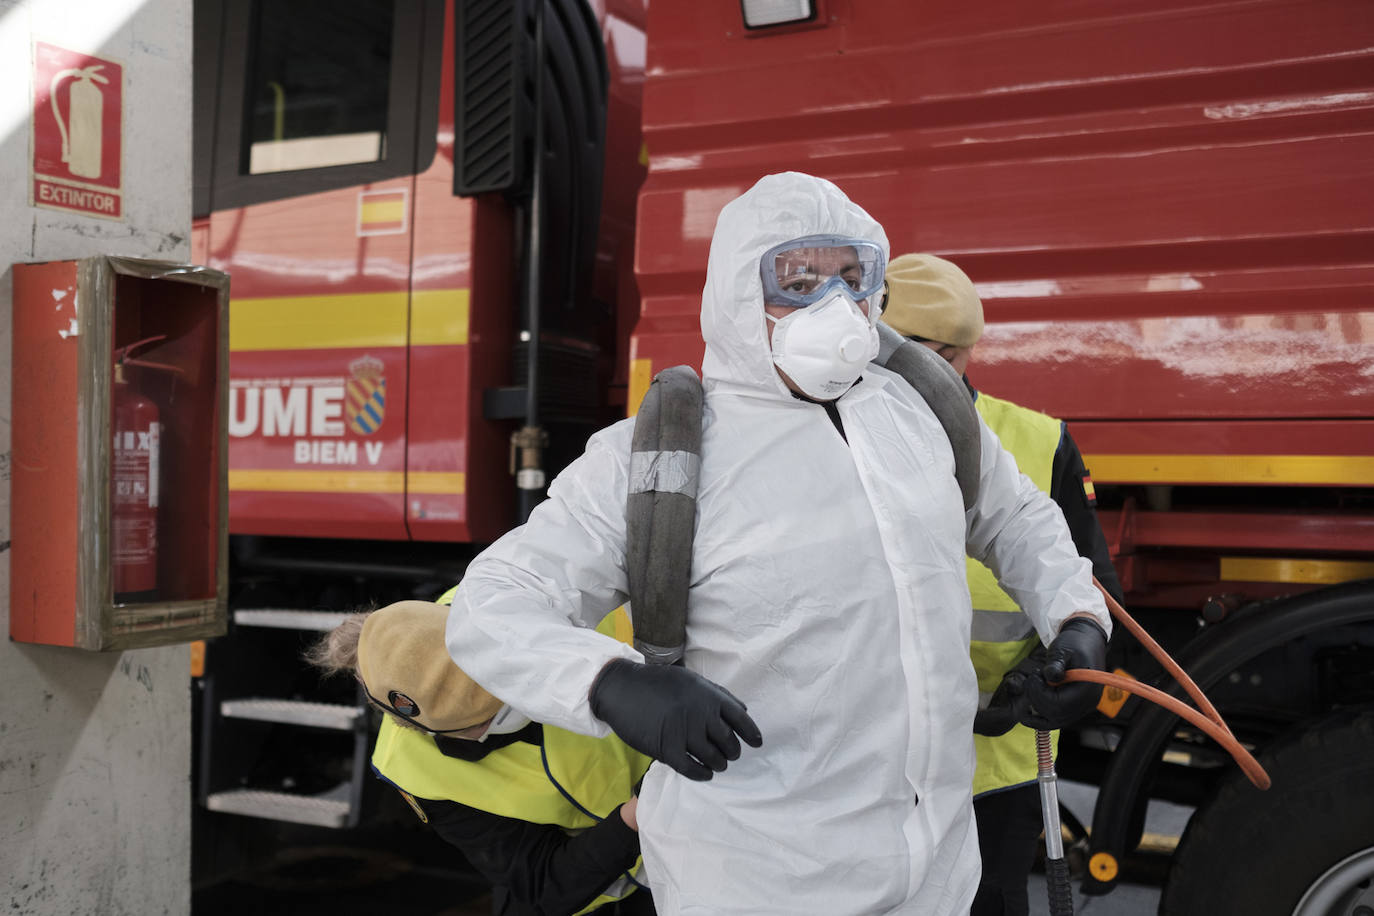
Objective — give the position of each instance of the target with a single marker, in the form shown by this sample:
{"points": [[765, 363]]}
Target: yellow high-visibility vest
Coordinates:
{"points": [[572, 781], [1002, 634]]}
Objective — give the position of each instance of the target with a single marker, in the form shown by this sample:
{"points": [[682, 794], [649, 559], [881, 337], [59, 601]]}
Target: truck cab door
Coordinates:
{"points": [[313, 118]]}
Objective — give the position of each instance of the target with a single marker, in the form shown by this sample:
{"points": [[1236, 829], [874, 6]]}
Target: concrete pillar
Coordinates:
{"points": [[94, 748]]}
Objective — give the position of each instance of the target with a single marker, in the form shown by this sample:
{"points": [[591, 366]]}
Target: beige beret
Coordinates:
{"points": [[404, 663], [932, 298]]}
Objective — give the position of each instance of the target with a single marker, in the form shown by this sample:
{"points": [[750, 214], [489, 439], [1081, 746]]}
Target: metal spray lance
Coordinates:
{"points": [[1056, 867]]}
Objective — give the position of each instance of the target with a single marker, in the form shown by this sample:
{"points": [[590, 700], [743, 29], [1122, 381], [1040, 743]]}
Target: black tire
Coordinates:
{"points": [[1258, 853]]}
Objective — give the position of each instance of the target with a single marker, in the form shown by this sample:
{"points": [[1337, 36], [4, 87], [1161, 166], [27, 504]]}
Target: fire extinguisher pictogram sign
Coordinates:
{"points": [[78, 121]]}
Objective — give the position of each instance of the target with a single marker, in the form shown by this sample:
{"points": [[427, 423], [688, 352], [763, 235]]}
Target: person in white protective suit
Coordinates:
{"points": [[827, 593]]}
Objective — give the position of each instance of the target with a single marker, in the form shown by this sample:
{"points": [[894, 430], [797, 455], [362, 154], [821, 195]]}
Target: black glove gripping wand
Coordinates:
{"points": [[1209, 720]]}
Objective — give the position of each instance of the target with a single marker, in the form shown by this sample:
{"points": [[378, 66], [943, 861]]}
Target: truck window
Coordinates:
{"points": [[319, 78], [312, 95]]}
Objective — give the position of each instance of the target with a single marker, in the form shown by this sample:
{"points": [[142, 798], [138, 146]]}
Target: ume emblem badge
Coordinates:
{"points": [[365, 403]]}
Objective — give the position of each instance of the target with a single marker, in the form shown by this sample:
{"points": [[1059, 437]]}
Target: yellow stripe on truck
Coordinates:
{"points": [[436, 482], [318, 481], [428, 317], [439, 316], [319, 322], [451, 483], [641, 376], [1351, 470], [1299, 571]]}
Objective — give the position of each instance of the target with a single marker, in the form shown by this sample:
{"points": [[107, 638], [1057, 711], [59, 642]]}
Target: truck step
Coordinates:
{"points": [[289, 619], [294, 712], [329, 809]]}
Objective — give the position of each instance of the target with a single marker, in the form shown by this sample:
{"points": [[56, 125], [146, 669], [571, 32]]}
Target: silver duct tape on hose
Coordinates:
{"points": [[940, 386], [658, 655], [660, 512], [664, 472]]}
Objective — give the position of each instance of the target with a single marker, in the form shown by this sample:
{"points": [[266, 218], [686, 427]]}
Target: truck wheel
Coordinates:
{"points": [[1304, 848]]}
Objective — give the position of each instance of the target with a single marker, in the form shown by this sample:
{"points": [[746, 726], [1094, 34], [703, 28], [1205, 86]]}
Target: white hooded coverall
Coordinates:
{"points": [[828, 593]]}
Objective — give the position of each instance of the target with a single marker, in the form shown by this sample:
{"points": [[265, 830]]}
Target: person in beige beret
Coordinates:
{"points": [[933, 302], [547, 816]]}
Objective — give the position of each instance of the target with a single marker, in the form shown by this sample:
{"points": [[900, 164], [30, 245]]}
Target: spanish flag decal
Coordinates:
{"points": [[382, 212], [1088, 492]]}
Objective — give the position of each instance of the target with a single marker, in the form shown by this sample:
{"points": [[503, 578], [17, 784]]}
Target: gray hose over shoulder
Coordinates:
{"points": [[937, 382], [665, 468], [660, 514]]}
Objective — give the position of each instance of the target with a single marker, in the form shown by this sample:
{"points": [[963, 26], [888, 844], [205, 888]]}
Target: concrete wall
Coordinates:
{"points": [[94, 748]]}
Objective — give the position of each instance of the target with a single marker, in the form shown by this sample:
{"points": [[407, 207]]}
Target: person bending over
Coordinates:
{"points": [[546, 815]]}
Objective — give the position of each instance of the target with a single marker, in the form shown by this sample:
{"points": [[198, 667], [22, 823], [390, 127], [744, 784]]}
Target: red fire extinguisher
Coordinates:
{"points": [[134, 480]]}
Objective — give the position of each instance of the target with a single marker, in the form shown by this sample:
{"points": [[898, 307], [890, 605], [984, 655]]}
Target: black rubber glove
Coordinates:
{"points": [[1081, 643], [673, 715], [1009, 703]]}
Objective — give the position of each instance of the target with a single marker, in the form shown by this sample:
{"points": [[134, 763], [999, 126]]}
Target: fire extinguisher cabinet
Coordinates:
{"points": [[119, 483]]}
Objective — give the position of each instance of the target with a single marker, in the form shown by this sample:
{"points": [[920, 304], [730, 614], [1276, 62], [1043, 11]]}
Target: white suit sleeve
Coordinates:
{"points": [[523, 618], [1019, 533]]}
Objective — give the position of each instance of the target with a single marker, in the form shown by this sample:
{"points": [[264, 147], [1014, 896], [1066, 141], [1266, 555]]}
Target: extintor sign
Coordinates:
{"points": [[78, 116]]}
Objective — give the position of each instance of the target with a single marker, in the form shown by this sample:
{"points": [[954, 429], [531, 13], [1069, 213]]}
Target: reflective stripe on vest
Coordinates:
{"points": [[572, 782], [1002, 634]]}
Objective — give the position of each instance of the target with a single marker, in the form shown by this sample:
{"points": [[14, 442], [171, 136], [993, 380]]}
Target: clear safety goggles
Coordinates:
{"points": [[804, 271]]}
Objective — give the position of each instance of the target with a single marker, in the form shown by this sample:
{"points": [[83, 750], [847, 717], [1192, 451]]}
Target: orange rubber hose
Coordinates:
{"points": [[1209, 720], [1164, 658], [1219, 733]]}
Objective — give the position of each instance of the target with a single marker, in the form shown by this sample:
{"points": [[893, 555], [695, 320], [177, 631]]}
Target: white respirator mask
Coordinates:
{"points": [[507, 721], [824, 347]]}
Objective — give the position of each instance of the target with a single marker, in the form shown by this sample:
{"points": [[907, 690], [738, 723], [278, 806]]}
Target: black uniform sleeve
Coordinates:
{"points": [[543, 869], [1068, 489]]}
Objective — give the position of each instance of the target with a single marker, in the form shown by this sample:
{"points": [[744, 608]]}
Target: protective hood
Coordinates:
{"points": [[777, 209]]}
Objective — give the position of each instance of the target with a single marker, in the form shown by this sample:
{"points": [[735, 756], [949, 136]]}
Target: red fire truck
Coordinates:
{"points": [[463, 234]]}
